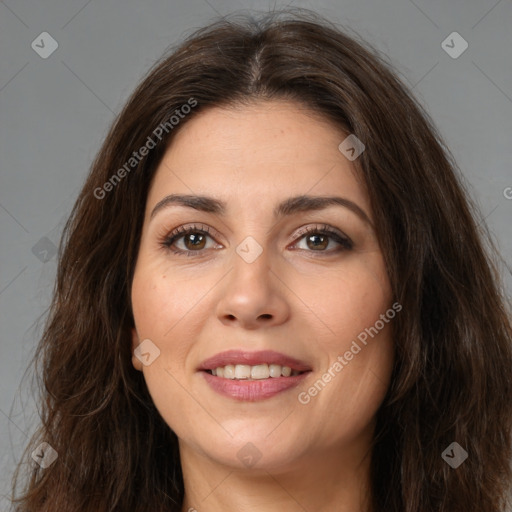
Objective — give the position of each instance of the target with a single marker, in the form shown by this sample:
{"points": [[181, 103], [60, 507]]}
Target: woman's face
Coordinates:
{"points": [[249, 291]]}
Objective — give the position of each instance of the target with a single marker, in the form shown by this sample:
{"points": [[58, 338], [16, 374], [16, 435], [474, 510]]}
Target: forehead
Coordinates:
{"points": [[271, 149]]}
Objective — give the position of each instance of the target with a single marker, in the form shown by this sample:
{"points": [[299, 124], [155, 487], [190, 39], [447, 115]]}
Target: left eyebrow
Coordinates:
{"points": [[285, 208]]}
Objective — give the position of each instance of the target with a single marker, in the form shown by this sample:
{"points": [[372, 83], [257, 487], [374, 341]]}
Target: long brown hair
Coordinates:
{"points": [[451, 380]]}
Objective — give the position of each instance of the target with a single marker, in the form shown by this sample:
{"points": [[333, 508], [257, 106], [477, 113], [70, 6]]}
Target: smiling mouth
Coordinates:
{"points": [[253, 372]]}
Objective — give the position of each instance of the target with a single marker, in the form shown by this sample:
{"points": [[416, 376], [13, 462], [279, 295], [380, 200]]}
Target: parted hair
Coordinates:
{"points": [[451, 379]]}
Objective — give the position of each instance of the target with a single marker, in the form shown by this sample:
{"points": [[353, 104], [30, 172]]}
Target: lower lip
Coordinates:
{"points": [[252, 390]]}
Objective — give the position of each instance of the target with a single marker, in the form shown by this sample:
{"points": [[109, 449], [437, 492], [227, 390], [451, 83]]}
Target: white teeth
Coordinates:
{"points": [[229, 371], [260, 371], [242, 371], [257, 372], [286, 371], [275, 370]]}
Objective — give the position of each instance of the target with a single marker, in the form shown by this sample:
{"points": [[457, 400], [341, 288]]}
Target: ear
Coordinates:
{"points": [[137, 363]]}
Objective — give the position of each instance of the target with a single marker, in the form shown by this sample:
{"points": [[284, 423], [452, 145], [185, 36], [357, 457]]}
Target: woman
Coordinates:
{"points": [[273, 295]]}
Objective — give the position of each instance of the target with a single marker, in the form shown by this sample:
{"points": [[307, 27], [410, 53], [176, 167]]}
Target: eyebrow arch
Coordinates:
{"points": [[285, 208]]}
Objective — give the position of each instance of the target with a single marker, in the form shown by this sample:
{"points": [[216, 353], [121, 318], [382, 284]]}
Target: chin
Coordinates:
{"points": [[254, 449]]}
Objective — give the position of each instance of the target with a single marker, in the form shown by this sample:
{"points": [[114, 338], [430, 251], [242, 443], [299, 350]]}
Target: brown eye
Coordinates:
{"points": [[193, 240], [318, 239], [197, 241]]}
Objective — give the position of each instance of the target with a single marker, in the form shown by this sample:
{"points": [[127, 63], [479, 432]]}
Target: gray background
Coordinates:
{"points": [[55, 112]]}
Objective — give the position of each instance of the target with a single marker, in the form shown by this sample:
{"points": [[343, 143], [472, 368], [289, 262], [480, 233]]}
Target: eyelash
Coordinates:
{"points": [[345, 243]]}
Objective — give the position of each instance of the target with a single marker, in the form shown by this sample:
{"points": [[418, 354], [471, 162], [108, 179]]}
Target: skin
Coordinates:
{"points": [[295, 298]]}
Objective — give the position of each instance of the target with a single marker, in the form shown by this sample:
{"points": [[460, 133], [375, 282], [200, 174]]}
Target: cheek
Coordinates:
{"points": [[160, 301], [175, 404], [158, 308], [362, 384], [351, 386], [349, 306], [347, 300]]}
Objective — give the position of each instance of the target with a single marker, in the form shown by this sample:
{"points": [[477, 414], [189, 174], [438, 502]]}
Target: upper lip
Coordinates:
{"points": [[235, 357]]}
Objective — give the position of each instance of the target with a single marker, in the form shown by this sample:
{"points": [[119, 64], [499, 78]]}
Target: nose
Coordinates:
{"points": [[254, 295]]}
